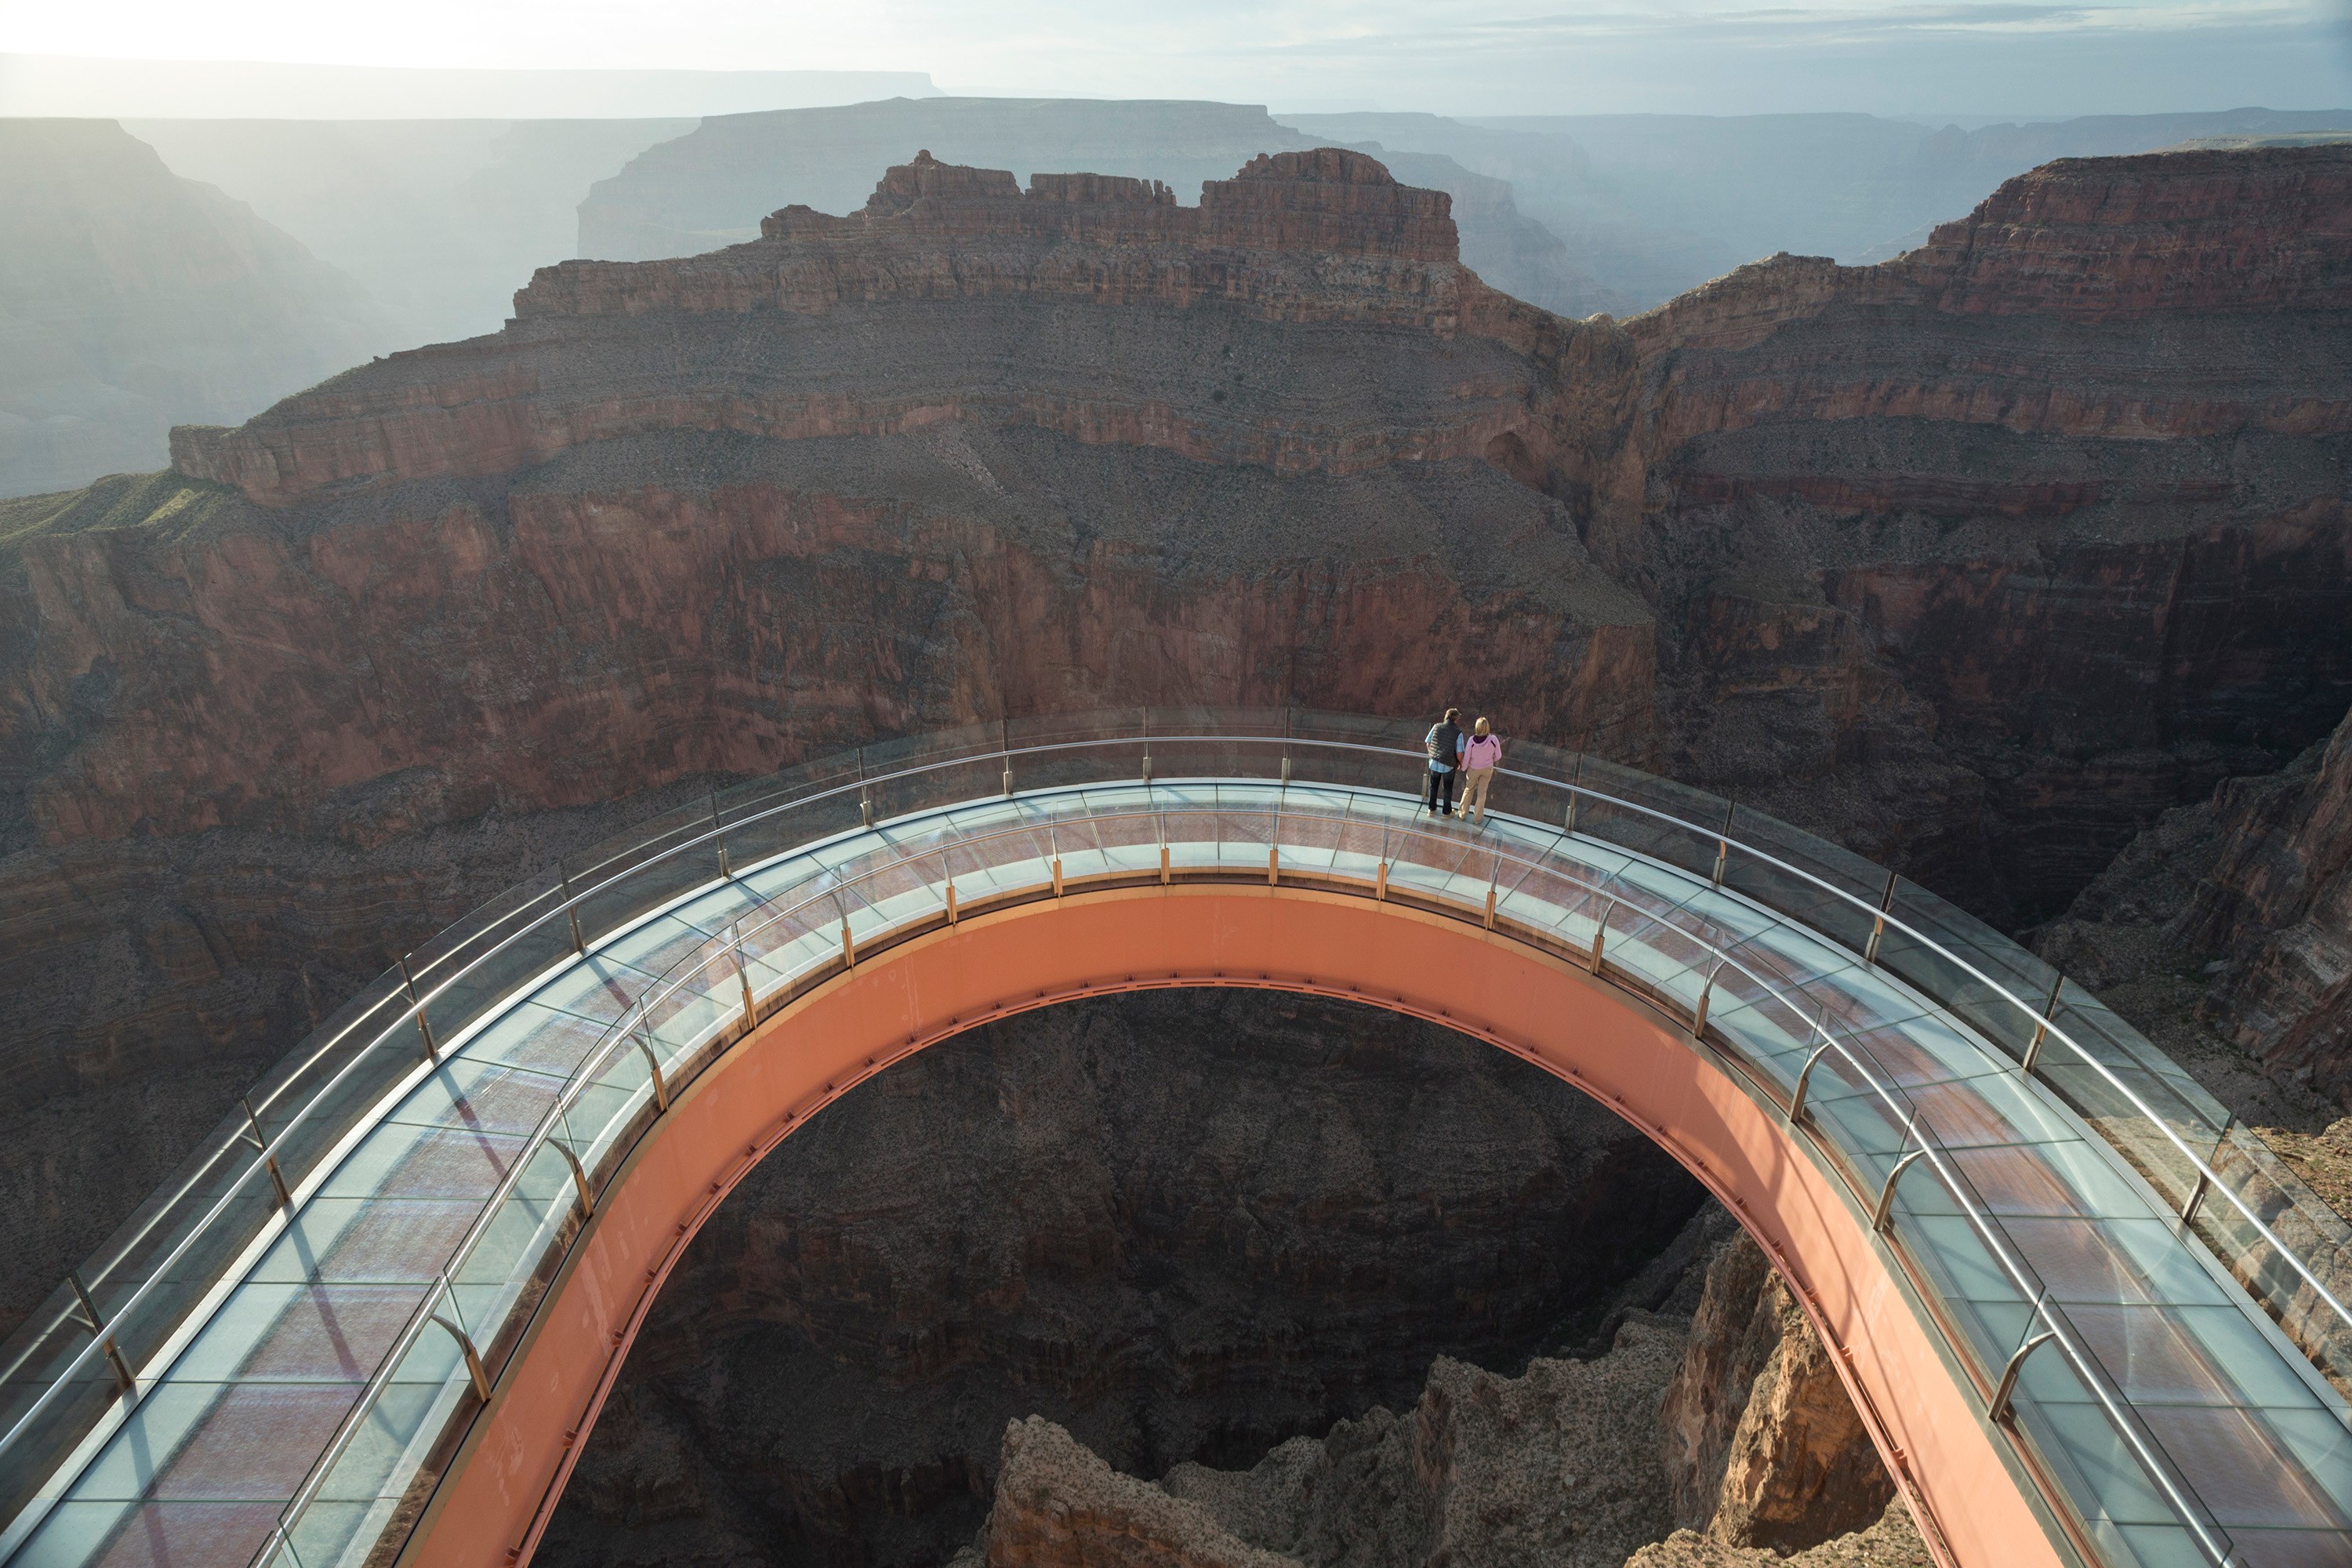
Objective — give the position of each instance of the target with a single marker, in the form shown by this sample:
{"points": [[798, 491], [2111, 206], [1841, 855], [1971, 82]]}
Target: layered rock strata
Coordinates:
{"points": [[1978, 560]]}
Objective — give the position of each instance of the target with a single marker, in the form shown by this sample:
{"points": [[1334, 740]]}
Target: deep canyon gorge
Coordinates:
{"points": [[2019, 561]]}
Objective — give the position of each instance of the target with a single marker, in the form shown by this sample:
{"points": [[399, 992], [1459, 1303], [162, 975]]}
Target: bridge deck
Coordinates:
{"points": [[304, 1409]]}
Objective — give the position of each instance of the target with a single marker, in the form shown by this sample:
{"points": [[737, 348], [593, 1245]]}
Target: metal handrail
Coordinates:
{"points": [[622, 1033], [580, 895]]}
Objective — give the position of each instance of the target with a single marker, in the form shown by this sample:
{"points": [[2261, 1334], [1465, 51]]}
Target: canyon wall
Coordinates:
{"points": [[1978, 560], [1656, 203], [711, 187], [131, 300]]}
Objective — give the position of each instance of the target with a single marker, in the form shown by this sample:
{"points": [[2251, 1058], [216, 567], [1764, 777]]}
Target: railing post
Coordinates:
{"points": [[2204, 1174], [1878, 926], [417, 1004], [97, 1322], [579, 947], [1287, 722], [653, 1065], [1147, 743], [1998, 1411], [1004, 745], [1273, 863], [1706, 993], [579, 1178], [1494, 878], [952, 901], [1885, 1209], [474, 1369], [742, 975], [1723, 841], [261, 1141], [716, 826], [1804, 1076], [1381, 884], [1574, 779], [1599, 931], [1057, 880], [865, 792], [2041, 1024]]}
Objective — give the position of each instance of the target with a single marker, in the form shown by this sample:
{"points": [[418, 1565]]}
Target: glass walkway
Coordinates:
{"points": [[277, 1359]]}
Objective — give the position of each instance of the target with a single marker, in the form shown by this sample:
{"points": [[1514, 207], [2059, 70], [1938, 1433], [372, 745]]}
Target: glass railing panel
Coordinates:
{"points": [[498, 1281], [940, 786], [458, 1001], [599, 988], [354, 1499], [1354, 730]]}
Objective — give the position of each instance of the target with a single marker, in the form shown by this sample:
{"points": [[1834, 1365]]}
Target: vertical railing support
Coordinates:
{"points": [[1804, 1077], [260, 1140], [1998, 1411], [474, 1372], [1723, 841], [579, 947], [1878, 926], [2041, 1025], [579, 1178], [1599, 931], [952, 901], [2204, 1175], [742, 975], [1706, 994], [865, 792], [96, 1322], [424, 1028], [653, 1065], [1380, 883], [1058, 876], [1147, 743], [1886, 1209], [1574, 778], [716, 828], [1004, 745]]}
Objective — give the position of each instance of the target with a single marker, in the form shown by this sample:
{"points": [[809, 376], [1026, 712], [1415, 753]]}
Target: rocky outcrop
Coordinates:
{"points": [[2231, 916], [1890, 1541], [2279, 902], [1553, 1466], [1562, 1464], [133, 300], [1182, 1227], [1764, 1447], [1059, 1506], [712, 186]]}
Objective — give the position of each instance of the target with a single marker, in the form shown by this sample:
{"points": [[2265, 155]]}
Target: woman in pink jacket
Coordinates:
{"points": [[1480, 753]]}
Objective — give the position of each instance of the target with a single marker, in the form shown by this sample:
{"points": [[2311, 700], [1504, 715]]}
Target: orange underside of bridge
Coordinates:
{"points": [[491, 1507]]}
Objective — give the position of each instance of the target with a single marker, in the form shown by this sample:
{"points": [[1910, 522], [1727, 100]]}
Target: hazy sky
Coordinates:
{"points": [[1922, 58]]}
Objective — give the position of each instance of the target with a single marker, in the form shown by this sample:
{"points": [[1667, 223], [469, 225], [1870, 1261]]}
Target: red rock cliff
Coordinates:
{"points": [[1980, 559]]}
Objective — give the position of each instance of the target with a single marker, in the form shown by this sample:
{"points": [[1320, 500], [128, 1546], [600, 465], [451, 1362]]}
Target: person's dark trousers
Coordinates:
{"points": [[1440, 794]]}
